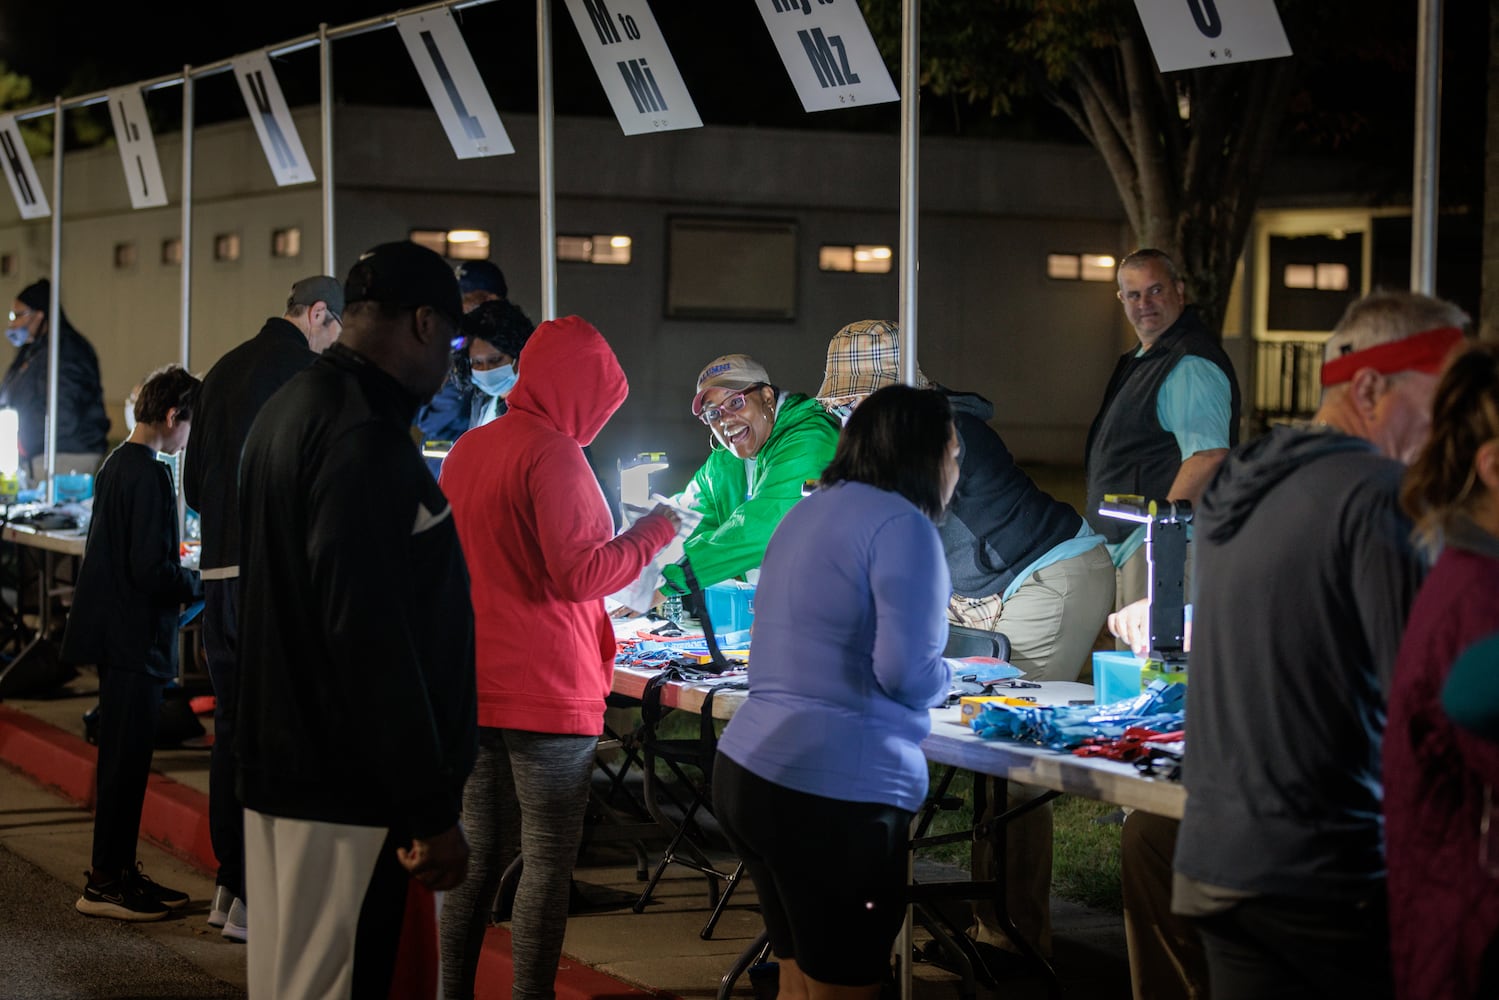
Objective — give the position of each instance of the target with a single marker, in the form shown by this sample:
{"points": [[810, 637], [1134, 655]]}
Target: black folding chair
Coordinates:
{"points": [[965, 641]]}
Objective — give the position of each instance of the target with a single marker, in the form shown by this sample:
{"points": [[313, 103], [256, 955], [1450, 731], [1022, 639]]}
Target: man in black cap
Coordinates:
{"points": [[449, 413], [234, 390], [356, 715], [82, 427]]}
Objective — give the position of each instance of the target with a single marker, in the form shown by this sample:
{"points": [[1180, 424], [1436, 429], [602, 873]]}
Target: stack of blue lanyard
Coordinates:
{"points": [[1065, 727]]}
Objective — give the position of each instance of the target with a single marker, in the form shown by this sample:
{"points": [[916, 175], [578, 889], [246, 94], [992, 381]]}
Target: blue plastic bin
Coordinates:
{"points": [[731, 606], [1116, 676]]}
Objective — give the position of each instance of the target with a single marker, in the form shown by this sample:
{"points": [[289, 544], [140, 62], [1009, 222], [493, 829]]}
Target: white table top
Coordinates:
{"points": [[951, 742], [67, 542]]}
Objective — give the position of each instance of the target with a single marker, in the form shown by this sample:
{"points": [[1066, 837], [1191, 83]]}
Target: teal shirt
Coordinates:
{"points": [[1193, 405]]}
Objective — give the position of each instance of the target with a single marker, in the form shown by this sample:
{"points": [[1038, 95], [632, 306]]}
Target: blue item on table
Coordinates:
{"points": [[730, 605]]}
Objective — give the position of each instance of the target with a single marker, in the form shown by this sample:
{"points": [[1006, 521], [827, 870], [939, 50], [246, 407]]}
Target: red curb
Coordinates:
{"points": [[175, 817], [575, 981], [53, 758]]}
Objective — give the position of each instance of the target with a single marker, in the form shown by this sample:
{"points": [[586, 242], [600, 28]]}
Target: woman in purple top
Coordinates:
{"points": [[849, 631]]}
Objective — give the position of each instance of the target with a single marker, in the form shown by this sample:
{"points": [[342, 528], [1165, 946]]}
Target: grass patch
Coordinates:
{"points": [[1085, 851]]}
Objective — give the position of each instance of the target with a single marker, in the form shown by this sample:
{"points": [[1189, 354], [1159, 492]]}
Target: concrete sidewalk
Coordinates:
{"points": [[610, 951]]}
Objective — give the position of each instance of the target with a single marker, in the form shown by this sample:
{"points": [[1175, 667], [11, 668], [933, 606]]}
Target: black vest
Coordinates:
{"points": [[1128, 449]]}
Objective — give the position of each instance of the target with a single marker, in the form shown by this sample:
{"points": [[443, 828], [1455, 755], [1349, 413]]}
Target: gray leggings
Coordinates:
{"points": [[528, 793]]}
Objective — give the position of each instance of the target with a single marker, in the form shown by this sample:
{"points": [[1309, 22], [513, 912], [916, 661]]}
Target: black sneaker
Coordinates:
{"points": [[170, 898], [120, 899]]}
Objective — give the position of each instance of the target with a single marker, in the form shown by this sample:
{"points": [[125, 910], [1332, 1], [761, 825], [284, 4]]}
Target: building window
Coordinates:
{"points": [[455, 244], [595, 249], [862, 258], [124, 256], [7, 264], [1080, 266], [726, 268], [1320, 277], [286, 242], [226, 246], [171, 250]]}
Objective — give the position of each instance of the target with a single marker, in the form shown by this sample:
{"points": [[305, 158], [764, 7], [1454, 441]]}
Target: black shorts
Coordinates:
{"points": [[830, 874]]}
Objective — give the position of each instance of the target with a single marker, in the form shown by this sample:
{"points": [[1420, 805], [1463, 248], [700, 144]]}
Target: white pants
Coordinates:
{"points": [[306, 885]]}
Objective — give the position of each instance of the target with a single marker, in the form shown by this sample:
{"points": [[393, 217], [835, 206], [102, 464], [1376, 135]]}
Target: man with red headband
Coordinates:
{"points": [[1305, 573]]}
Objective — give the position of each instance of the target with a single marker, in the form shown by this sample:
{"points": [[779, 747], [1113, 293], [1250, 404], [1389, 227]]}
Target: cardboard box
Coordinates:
{"points": [[969, 706]]}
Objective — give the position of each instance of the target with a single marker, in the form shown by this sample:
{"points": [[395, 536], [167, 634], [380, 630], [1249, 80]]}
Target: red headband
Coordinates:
{"points": [[1421, 352]]}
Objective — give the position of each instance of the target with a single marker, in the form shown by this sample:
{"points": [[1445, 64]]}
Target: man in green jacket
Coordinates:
{"points": [[767, 445]]}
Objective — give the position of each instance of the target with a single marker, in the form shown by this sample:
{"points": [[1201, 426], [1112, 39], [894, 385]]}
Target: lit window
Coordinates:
{"points": [[455, 244], [1064, 266], [1097, 267], [124, 255], [286, 242], [595, 249], [171, 250], [226, 246], [835, 258], [863, 258], [1332, 277], [1301, 276]]}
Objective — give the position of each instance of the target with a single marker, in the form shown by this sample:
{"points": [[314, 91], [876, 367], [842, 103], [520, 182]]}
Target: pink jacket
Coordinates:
{"points": [[538, 538]]}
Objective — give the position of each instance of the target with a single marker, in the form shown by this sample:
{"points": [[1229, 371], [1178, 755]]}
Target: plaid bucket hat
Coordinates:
{"points": [[862, 357]]}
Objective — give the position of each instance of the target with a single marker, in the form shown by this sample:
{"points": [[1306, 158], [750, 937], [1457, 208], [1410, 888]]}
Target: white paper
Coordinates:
{"points": [[20, 173], [1186, 34], [127, 109], [634, 65], [828, 52], [637, 596], [453, 83], [272, 119]]}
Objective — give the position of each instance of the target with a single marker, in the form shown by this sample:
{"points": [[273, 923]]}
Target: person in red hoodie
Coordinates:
{"points": [[542, 554]]}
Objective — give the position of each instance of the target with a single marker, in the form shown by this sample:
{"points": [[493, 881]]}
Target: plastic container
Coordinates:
{"points": [[731, 606], [72, 486], [1116, 676]]}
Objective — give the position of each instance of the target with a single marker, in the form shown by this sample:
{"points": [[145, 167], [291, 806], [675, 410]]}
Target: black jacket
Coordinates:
{"points": [[999, 521], [357, 701], [132, 583], [234, 390], [82, 426]]}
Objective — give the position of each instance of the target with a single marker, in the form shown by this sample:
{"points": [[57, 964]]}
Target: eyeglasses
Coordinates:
{"points": [[712, 414]]}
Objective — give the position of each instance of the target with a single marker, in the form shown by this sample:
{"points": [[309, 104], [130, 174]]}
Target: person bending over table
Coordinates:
{"points": [[854, 581], [767, 444], [1438, 778]]}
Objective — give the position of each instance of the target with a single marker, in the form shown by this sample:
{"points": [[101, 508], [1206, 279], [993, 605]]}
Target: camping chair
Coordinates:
{"points": [[965, 641]]}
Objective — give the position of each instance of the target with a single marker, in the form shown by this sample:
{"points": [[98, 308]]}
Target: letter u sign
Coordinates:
{"points": [[1205, 13]]}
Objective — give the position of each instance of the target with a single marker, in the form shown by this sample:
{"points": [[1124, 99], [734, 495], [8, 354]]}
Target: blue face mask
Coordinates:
{"points": [[495, 381], [17, 335]]}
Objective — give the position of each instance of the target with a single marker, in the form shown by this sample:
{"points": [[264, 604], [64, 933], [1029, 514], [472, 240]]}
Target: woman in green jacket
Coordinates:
{"points": [[766, 445]]}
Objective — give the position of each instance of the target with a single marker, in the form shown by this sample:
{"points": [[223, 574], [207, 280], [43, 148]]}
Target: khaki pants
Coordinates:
{"points": [[1052, 621], [1166, 959]]}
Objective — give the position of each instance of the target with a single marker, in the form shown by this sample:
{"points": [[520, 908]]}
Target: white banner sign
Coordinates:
{"points": [[127, 109], [273, 123], [633, 63], [829, 53], [19, 171], [454, 86], [1186, 34]]}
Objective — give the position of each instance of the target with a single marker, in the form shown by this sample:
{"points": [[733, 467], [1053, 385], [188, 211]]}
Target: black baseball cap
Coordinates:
{"points": [[318, 288], [407, 276], [481, 276]]}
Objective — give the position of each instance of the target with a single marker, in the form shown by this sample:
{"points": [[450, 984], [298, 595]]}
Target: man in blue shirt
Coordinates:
{"points": [[1170, 414]]}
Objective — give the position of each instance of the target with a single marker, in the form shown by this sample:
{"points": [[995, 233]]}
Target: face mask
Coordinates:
{"points": [[129, 416], [17, 335], [495, 381]]}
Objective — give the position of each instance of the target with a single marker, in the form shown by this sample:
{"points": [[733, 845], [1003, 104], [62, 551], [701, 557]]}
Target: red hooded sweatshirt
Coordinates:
{"points": [[538, 538]]}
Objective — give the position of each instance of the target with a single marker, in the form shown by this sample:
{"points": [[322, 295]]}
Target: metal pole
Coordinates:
{"points": [[910, 140], [545, 136], [1428, 128], [54, 300], [186, 240], [325, 65]]}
